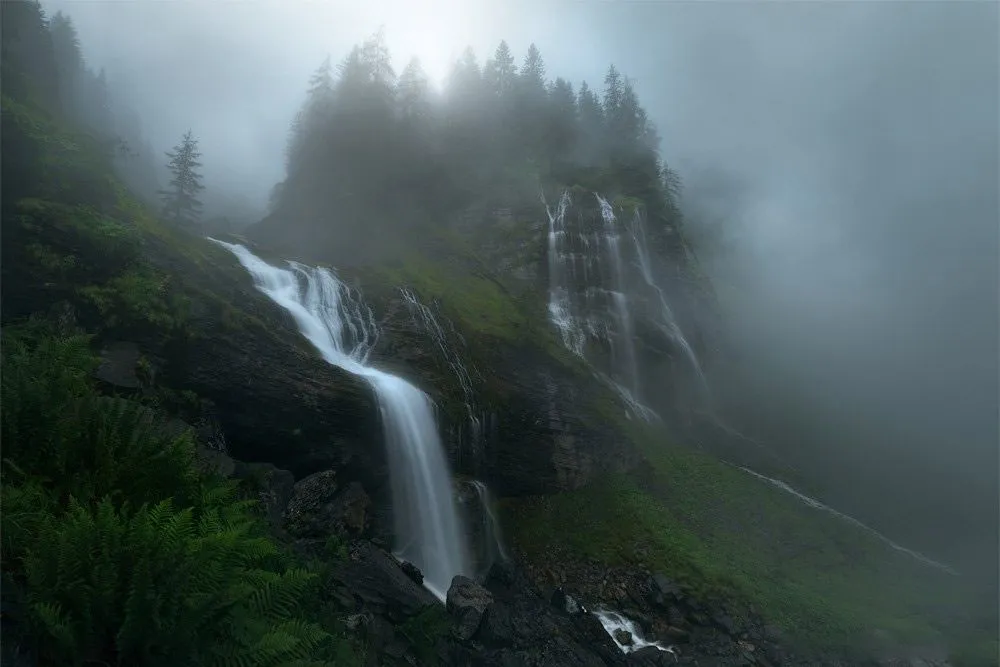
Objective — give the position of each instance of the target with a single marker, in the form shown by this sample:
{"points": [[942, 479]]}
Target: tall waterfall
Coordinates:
{"points": [[341, 326], [600, 282]]}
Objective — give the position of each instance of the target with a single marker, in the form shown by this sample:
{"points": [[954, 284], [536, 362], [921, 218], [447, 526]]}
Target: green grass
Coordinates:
{"points": [[725, 534]]}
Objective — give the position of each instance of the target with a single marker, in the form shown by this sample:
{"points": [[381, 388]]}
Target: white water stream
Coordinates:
{"points": [[341, 326]]}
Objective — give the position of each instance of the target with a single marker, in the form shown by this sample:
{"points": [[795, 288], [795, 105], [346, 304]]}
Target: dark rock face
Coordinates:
{"points": [[372, 581], [320, 507], [467, 602], [274, 488], [118, 365], [413, 572]]}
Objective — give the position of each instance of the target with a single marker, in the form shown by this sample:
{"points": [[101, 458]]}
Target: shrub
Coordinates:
{"points": [[115, 547], [161, 586]]}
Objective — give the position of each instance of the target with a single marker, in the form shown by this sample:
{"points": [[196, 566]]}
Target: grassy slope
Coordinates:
{"points": [[727, 534], [76, 234]]}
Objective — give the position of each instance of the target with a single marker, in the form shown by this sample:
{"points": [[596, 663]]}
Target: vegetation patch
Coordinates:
{"points": [[117, 549], [723, 533]]}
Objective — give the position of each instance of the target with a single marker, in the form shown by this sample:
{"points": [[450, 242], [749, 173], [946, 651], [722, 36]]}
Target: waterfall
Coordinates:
{"points": [[342, 328], [423, 318], [596, 283], [815, 504], [629, 369], [484, 525], [669, 324], [614, 623]]}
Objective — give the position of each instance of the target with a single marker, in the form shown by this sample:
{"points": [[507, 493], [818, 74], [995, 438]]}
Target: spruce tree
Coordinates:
{"points": [[502, 72], [69, 61], [180, 203]]}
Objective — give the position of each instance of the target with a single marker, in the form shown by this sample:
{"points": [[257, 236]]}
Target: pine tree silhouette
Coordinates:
{"points": [[180, 202]]}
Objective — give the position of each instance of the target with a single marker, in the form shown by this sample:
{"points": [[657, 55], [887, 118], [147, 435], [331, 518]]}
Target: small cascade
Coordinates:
{"points": [[812, 502], [342, 328], [423, 318], [600, 280], [669, 323], [625, 359], [484, 527], [621, 628]]}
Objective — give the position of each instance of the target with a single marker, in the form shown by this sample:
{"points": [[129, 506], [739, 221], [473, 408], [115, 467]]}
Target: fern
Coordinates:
{"points": [[120, 549]]}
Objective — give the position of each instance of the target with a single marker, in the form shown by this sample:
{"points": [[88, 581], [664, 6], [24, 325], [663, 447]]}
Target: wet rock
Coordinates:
{"points": [[119, 361], [497, 629], [675, 617], [725, 623], [272, 486], [467, 602], [213, 461], [624, 637], [676, 635], [378, 585], [320, 507], [412, 571], [357, 621], [558, 599], [650, 656], [665, 587]]}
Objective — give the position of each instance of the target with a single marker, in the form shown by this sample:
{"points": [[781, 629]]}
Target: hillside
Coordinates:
{"points": [[173, 443]]}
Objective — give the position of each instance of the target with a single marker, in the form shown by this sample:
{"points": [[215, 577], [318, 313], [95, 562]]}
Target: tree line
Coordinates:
{"points": [[370, 143], [43, 63]]}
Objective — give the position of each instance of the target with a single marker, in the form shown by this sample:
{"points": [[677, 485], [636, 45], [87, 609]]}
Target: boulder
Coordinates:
{"points": [[651, 656], [119, 361], [272, 486], [624, 637], [320, 507], [467, 602], [378, 584], [412, 571]]}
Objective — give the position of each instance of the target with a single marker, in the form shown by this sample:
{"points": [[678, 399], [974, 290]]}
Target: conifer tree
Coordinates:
{"points": [[180, 203], [613, 92], [533, 70], [69, 60], [412, 92], [502, 72]]}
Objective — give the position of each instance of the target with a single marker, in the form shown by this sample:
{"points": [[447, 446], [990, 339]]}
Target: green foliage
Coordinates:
{"points": [[424, 630], [138, 297], [163, 586], [80, 444], [976, 653], [336, 548], [121, 551], [725, 534]]}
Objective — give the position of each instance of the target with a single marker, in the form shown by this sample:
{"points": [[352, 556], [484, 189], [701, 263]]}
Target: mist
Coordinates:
{"points": [[840, 163]]}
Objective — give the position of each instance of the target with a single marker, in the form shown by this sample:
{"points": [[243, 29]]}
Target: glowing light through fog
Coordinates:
{"points": [[436, 32]]}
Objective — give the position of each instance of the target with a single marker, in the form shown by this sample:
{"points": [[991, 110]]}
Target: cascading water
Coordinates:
{"points": [[815, 504], [423, 317], [614, 623], [670, 326], [338, 323], [626, 338], [487, 540], [594, 293]]}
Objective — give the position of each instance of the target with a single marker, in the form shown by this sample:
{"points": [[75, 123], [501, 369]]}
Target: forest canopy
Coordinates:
{"points": [[370, 144]]}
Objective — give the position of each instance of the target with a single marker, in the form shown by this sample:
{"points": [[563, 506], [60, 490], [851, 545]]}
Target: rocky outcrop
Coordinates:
{"points": [[272, 486], [320, 506], [467, 602], [549, 434]]}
